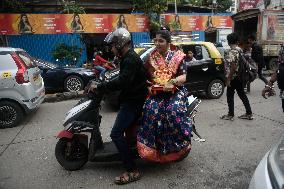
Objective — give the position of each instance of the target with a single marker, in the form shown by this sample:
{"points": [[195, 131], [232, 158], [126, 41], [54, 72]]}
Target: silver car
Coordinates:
{"points": [[21, 86], [269, 173]]}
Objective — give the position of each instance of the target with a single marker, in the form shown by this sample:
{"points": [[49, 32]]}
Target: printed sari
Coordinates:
{"points": [[165, 132]]}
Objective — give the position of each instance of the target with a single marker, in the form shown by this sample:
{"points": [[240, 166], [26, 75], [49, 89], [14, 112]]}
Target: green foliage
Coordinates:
{"points": [[73, 9], [150, 6], [66, 53], [193, 2], [154, 25], [13, 6], [222, 5]]}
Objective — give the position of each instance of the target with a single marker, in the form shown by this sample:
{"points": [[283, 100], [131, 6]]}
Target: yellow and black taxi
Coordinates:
{"points": [[205, 73]]}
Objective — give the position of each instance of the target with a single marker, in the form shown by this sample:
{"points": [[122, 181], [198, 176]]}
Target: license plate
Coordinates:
{"points": [[37, 79], [41, 92]]}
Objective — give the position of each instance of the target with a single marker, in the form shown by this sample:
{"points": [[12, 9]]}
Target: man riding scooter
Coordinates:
{"points": [[132, 83]]}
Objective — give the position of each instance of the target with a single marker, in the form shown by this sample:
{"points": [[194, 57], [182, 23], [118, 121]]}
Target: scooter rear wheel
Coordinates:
{"points": [[71, 154]]}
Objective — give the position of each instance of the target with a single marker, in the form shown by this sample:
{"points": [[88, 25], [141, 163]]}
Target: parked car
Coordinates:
{"points": [[21, 86], [205, 75], [269, 173], [64, 78], [222, 48]]}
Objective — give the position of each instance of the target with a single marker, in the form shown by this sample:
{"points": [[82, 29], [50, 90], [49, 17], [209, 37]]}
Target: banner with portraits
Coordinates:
{"points": [[273, 25], [195, 23], [16, 24]]}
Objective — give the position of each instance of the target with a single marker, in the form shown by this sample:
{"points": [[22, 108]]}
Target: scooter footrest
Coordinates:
{"points": [[109, 152]]}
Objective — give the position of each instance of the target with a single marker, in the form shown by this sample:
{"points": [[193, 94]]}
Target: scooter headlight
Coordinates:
{"points": [[68, 126]]}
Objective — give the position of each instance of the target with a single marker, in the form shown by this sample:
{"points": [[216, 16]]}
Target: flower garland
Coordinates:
{"points": [[163, 70]]}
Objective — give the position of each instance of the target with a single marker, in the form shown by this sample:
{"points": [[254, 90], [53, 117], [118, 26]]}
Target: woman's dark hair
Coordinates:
{"points": [[252, 37], [165, 34], [22, 24], [176, 17], [233, 38], [120, 23], [74, 24]]}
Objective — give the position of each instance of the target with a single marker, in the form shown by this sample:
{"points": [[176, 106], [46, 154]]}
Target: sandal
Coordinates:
{"points": [[246, 116], [227, 117], [127, 177]]}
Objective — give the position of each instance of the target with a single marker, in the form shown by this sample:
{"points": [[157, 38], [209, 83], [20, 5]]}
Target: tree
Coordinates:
{"points": [[13, 6], [193, 2], [66, 54], [222, 5], [72, 8], [153, 9], [150, 6]]}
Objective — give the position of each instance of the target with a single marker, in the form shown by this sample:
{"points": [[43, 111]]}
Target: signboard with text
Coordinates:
{"points": [[14, 24], [194, 23], [247, 4]]}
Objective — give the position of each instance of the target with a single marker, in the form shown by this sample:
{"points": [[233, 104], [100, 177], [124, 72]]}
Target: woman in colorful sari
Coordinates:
{"points": [[165, 130]]}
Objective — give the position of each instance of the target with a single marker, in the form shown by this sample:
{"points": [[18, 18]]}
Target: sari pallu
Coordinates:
{"points": [[165, 133]]}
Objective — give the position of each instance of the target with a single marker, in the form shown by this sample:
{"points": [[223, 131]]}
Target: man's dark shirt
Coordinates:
{"points": [[131, 80], [257, 54]]}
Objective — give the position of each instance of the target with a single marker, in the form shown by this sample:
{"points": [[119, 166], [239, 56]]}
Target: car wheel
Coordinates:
{"points": [[215, 89], [11, 114], [273, 64], [73, 83]]}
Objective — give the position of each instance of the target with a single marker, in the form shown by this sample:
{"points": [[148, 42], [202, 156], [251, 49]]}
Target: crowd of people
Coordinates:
{"points": [[254, 52]]}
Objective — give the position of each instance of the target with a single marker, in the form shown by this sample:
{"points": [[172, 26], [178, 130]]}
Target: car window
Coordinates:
{"points": [[199, 51], [7, 62], [44, 64], [205, 54], [144, 55], [26, 59]]}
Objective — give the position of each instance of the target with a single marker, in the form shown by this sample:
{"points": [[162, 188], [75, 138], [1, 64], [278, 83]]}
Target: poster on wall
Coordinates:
{"points": [[275, 27], [195, 23], [247, 4], [17, 24]]}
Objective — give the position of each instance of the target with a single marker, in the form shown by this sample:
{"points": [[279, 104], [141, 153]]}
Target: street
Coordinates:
{"points": [[226, 160]]}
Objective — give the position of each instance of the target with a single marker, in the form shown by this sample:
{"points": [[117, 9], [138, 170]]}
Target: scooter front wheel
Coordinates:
{"points": [[71, 154]]}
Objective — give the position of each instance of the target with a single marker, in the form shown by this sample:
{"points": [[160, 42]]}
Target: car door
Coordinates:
{"points": [[199, 72]]}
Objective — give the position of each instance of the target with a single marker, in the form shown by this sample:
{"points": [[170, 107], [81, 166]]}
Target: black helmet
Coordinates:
{"points": [[119, 38]]}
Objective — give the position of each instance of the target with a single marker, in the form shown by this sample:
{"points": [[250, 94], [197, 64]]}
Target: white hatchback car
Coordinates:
{"points": [[21, 86], [269, 173]]}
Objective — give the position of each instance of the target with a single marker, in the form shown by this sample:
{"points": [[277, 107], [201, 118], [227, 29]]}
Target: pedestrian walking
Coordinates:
{"points": [[233, 82], [257, 56], [278, 76]]}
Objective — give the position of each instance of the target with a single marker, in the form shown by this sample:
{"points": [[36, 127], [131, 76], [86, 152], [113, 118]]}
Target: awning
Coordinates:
{"points": [[246, 14]]}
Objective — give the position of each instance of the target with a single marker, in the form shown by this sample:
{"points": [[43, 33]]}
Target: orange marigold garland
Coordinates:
{"points": [[163, 70]]}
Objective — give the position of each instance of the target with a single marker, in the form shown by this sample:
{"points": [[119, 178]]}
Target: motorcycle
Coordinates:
{"points": [[74, 149]]}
